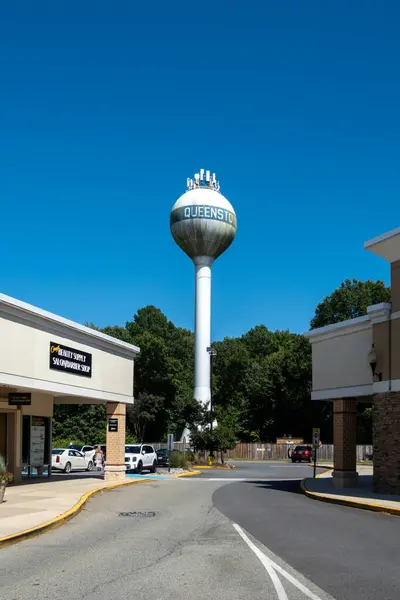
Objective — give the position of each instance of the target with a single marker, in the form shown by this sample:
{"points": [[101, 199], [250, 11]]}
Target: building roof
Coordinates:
{"points": [[386, 245], [39, 317]]}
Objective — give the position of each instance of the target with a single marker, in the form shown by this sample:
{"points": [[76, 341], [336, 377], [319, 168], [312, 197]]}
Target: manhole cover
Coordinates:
{"points": [[137, 514]]}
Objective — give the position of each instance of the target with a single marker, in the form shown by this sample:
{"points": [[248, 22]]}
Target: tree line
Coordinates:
{"points": [[261, 380]]}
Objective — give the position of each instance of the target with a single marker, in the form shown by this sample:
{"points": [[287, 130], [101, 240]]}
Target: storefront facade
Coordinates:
{"points": [[359, 361], [46, 359]]}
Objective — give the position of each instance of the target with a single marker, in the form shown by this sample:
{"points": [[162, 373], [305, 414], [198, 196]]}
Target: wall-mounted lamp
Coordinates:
{"points": [[373, 362]]}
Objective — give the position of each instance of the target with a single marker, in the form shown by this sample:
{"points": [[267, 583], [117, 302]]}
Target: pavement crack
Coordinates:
{"points": [[195, 536], [176, 547]]}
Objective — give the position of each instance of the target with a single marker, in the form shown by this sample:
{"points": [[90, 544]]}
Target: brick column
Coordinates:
{"points": [[344, 439], [115, 442], [386, 434]]}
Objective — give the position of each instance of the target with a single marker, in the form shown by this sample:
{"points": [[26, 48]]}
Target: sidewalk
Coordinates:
{"points": [[35, 506], [31, 505], [362, 496]]}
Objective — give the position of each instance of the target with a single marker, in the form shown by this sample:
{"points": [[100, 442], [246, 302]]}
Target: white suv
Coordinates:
{"points": [[139, 457]]}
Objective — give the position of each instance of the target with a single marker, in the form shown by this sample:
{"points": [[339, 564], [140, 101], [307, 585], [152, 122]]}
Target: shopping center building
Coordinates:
{"points": [[359, 361], [47, 360]]}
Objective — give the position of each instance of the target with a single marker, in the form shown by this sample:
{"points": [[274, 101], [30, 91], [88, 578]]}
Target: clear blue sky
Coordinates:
{"points": [[107, 107]]}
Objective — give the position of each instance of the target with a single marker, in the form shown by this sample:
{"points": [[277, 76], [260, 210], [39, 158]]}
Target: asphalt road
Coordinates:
{"points": [[350, 553], [262, 470], [241, 534]]}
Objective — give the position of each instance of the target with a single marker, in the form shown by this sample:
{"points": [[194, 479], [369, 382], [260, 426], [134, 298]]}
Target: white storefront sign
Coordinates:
{"points": [[37, 445]]}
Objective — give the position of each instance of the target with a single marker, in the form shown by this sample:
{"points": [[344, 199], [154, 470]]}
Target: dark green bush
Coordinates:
{"points": [[178, 460], [190, 457]]}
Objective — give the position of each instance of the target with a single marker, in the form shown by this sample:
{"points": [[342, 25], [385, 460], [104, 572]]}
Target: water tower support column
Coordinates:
{"points": [[202, 328]]}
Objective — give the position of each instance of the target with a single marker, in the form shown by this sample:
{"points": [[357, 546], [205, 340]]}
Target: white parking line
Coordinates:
{"points": [[272, 566], [264, 561], [227, 479], [233, 479]]}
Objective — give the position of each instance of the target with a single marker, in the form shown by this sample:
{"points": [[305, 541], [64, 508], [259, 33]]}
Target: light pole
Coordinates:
{"points": [[213, 354]]}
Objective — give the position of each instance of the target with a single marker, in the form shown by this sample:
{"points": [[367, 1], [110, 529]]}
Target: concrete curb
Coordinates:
{"points": [[215, 468], [188, 474], [379, 508], [324, 473], [14, 538]]}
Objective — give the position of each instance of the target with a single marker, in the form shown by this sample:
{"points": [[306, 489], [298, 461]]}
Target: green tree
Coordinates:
{"points": [[220, 440], [351, 299], [163, 378], [230, 368], [142, 413], [149, 319], [289, 372], [223, 438], [265, 376], [79, 424], [164, 368]]}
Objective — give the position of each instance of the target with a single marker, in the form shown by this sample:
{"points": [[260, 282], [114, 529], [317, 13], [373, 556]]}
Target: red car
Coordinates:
{"points": [[302, 453]]}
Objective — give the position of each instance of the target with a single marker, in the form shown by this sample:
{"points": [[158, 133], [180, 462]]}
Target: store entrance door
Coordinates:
{"points": [[3, 436]]}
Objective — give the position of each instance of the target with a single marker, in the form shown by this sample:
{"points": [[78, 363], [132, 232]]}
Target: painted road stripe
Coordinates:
{"points": [[266, 562], [226, 479], [233, 479], [270, 565], [254, 479]]}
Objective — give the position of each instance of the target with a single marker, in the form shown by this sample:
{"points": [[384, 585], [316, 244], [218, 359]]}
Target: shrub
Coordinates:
{"points": [[3, 466], [64, 442], [190, 457], [178, 460], [5, 476]]}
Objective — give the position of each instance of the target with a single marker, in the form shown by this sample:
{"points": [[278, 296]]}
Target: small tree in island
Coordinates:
{"points": [[220, 439]]}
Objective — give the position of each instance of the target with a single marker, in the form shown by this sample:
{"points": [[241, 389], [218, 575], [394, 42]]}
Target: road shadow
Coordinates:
{"points": [[59, 477], [280, 485], [363, 491]]}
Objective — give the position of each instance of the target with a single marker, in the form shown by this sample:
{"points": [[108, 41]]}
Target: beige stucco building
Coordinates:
{"points": [[45, 360], [359, 361]]}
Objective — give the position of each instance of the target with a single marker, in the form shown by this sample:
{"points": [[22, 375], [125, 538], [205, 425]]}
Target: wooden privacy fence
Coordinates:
{"points": [[159, 445], [274, 451], [279, 451]]}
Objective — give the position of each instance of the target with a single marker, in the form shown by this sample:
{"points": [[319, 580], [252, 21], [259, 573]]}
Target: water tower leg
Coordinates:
{"points": [[202, 329]]}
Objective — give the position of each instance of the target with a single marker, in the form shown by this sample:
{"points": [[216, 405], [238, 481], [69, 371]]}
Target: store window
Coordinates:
{"points": [[36, 446]]}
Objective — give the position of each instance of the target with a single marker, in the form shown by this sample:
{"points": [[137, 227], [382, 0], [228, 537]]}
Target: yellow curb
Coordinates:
{"points": [[14, 538], [379, 508], [324, 473], [211, 467], [188, 474]]}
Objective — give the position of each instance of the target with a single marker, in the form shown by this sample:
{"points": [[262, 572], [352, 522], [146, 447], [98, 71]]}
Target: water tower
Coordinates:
{"points": [[203, 224]]}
